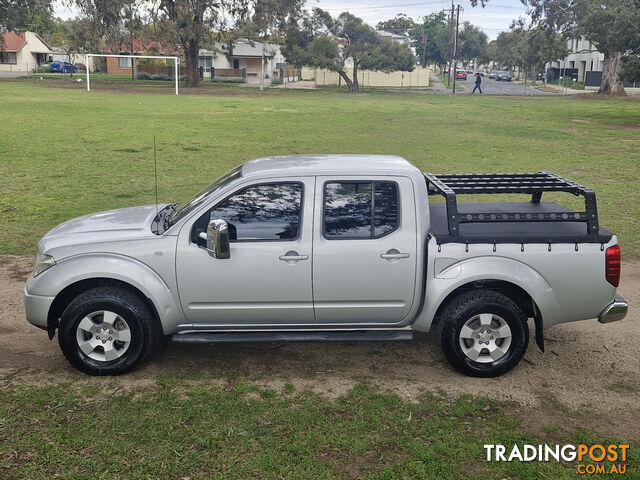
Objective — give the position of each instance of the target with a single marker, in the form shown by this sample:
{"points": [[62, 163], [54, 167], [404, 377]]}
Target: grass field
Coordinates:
{"points": [[65, 152], [207, 428]]}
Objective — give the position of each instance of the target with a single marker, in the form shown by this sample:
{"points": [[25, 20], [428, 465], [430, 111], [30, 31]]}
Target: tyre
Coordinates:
{"points": [[106, 331], [483, 333]]}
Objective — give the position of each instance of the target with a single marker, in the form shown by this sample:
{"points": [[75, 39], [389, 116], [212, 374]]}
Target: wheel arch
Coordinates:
{"points": [[516, 293], [75, 274], [71, 291], [520, 282]]}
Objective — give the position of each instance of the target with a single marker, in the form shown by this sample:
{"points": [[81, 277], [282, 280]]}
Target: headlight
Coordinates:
{"points": [[42, 263]]}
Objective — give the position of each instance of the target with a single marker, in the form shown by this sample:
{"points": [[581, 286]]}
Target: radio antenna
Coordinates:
{"points": [[155, 171]]}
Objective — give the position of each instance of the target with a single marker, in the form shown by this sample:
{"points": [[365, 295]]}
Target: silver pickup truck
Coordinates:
{"points": [[329, 248]]}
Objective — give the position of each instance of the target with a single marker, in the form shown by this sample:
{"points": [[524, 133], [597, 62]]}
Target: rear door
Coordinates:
{"points": [[364, 250]]}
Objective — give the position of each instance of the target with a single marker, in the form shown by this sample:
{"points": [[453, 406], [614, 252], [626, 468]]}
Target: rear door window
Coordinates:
{"points": [[360, 210]]}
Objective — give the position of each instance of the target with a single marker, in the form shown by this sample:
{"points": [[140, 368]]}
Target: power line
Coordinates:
{"points": [[372, 7]]}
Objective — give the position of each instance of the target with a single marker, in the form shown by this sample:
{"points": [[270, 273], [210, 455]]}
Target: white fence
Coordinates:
{"points": [[418, 78]]}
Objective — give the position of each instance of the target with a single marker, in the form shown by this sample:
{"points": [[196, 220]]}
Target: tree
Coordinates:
{"points": [[529, 48], [194, 21], [23, 15], [269, 21], [400, 25], [133, 21], [508, 50], [472, 43], [104, 16], [610, 25], [323, 42], [425, 35], [630, 70]]}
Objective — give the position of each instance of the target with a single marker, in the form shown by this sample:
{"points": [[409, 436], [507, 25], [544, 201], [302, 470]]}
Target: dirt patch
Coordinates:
{"points": [[574, 131], [144, 88], [617, 126], [588, 377]]}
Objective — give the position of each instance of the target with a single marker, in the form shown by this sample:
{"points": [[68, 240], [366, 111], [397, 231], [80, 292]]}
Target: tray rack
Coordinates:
{"points": [[450, 185]]}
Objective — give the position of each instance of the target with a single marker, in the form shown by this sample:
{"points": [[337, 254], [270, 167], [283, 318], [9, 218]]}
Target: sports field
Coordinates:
{"points": [[301, 411], [65, 152]]}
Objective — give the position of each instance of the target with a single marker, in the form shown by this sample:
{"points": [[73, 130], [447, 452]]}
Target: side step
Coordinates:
{"points": [[277, 337]]}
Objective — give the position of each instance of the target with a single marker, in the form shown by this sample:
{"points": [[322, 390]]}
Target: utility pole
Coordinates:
{"points": [[424, 49], [455, 47], [450, 47]]}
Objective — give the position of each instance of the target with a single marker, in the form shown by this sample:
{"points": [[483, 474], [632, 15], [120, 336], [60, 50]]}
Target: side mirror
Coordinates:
{"points": [[217, 237]]}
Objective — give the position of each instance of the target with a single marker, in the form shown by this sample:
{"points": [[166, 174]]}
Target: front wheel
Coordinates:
{"points": [[106, 331], [483, 333]]}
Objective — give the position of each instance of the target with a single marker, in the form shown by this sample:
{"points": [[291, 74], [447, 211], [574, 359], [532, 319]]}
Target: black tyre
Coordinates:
{"points": [[483, 333], [106, 331]]}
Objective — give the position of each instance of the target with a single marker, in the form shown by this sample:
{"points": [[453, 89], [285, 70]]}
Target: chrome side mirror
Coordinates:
{"points": [[217, 237]]}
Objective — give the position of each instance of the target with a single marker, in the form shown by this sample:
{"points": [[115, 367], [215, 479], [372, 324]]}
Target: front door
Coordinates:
{"points": [[267, 280], [364, 253]]}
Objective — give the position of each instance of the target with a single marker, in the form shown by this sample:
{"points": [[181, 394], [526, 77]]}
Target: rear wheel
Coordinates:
{"points": [[483, 333], [106, 331]]}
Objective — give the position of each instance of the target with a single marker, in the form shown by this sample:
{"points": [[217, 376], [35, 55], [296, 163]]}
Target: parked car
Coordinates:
{"points": [[493, 74], [481, 72], [503, 76], [81, 66], [328, 248], [469, 71], [461, 75], [62, 67]]}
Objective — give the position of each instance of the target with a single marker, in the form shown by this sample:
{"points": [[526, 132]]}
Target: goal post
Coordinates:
{"points": [[176, 61]]}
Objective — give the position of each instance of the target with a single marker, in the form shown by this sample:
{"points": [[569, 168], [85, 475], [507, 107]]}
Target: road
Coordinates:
{"points": [[493, 87]]}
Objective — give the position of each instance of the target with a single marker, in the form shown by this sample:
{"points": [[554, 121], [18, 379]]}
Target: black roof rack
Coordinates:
{"points": [[449, 185]]}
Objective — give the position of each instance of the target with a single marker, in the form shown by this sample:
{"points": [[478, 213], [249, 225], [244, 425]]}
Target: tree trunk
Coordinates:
{"points": [[346, 79], [611, 83], [262, 67], [133, 62], [354, 87], [191, 50]]}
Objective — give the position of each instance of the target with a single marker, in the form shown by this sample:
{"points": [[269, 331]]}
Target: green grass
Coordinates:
{"points": [[186, 428], [65, 152], [569, 83]]}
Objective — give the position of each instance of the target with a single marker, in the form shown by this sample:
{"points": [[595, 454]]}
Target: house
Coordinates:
{"points": [[583, 57], [584, 63], [22, 52], [122, 66], [397, 38], [243, 61]]}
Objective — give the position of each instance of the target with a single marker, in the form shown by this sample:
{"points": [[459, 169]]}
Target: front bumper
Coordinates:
{"points": [[36, 308], [615, 311]]}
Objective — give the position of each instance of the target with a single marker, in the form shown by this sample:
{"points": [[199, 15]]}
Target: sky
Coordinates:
{"points": [[493, 19]]}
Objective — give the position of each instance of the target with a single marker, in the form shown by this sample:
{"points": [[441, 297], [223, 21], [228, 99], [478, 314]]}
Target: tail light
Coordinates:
{"points": [[612, 265]]}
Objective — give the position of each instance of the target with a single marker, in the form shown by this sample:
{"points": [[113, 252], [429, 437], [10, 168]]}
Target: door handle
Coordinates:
{"points": [[293, 257], [393, 254]]}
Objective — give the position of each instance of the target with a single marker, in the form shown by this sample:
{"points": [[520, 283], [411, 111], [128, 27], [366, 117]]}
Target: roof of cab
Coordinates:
{"points": [[331, 164]]}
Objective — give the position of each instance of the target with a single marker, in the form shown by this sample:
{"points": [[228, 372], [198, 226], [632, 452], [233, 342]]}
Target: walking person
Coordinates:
{"points": [[478, 82]]}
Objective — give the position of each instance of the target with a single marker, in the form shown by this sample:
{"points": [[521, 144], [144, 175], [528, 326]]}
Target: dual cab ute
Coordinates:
{"points": [[328, 248]]}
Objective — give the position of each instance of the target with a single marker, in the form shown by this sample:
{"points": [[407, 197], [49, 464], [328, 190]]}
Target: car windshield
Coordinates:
{"points": [[193, 204]]}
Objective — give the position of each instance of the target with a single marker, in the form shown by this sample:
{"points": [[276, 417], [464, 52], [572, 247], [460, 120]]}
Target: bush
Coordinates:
{"points": [[158, 76], [42, 70], [228, 80], [276, 81]]}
